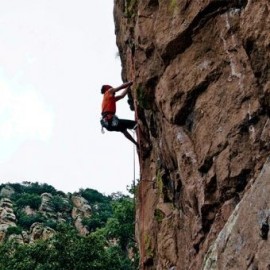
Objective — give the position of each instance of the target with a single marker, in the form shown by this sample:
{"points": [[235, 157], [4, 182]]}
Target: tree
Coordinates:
{"points": [[106, 246], [93, 196], [32, 200], [25, 221], [121, 225], [60, 204]]}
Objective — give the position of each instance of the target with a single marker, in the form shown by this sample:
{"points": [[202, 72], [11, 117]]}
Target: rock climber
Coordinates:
{"points": [[108, 109]]}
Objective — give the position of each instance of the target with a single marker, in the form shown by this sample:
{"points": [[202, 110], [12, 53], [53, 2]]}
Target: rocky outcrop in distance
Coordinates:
{"points": [[201, 72], [73, 209], [81, 209], [7, 216]]}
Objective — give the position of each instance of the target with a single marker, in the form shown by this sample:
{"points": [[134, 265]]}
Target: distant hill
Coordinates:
{"points": [[34, 215]]}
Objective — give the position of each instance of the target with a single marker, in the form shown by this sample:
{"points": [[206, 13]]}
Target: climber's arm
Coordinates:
{"points": [[123, 86], [122, 95]]}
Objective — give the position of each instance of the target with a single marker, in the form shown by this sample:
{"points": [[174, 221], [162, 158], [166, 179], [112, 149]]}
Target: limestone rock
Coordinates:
{"points": [[7, 191], [7, 217], [2, 235], [81, 209], [28, 210], [39, 231], [45, 203], [18, 238]]}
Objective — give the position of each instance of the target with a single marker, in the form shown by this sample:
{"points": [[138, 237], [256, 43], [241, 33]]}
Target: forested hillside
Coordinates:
{"points": [[42, 228]]}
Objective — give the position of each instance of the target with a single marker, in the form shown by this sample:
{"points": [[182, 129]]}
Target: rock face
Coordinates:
{"points": [[7, 217], [239, 237], [81, 209], [201, 72], [38, 231], [45, 203], [7, 191], [53, 209]]}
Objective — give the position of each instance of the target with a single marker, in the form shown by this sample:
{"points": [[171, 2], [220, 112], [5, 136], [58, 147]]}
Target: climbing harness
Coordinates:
{"points": [[106, 122]]}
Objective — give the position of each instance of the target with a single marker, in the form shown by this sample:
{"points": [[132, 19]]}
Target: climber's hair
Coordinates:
{"points": [[105, 87]]}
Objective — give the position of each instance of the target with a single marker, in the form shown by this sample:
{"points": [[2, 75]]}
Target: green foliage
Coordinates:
{"points": [[13, 230], [33, 188], [118, 196], [111, 236], [121, 224], [159, 183], [76, 252], [147, 244], [130, 8], [173, 4], [60, 204], [101, 209], [28, 194], [159, 215], [67, 250], [133, 188], [93, 196], [25, 221], [33, 200], [50, 223], [100, 214], [119, 260], [23, 257], [142, 97], [92, 223]]}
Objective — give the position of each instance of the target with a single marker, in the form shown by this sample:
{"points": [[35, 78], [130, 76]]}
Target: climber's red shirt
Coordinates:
{"points": [[108, 103]]}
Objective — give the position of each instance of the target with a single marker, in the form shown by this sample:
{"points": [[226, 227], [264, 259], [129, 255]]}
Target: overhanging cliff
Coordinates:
{"points": [[201, 72]]}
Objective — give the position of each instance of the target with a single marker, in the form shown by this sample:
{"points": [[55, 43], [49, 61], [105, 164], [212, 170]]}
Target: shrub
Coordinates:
{"points": [[14, 230], [93, 196], [60, 204], [26, 199], [25, 221]]}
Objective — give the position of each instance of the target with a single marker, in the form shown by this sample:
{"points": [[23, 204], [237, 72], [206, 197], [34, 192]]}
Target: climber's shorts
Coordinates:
{"points": [[122, 125]]}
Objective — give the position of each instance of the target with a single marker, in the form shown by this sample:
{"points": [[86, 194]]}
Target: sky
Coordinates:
{"points": [[54, 57]]}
